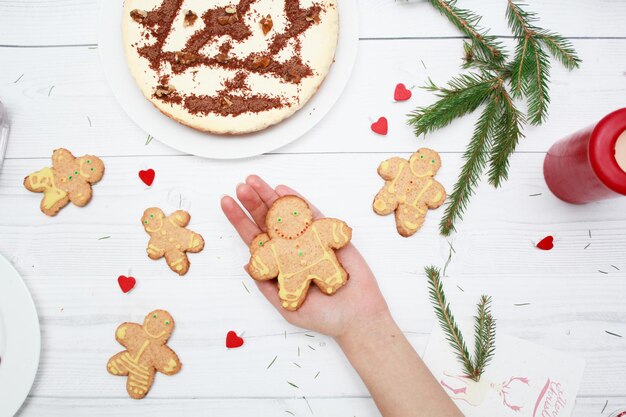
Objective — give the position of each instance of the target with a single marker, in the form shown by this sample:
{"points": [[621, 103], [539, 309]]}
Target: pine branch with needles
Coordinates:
{"points": [[484, 328], [496, 84], [485, 46]]}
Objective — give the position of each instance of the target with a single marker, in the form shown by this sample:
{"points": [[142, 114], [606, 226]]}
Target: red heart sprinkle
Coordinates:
{"points": [[233, 341], [546, 243], [147, 176], [126, 283], [380, 126], [401, 93]]}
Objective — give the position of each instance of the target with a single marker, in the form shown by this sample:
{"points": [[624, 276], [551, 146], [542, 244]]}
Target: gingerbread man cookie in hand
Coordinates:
{"points": [[146, 352], [170, 238], [297, 250], [410, 189], [69, 179]]}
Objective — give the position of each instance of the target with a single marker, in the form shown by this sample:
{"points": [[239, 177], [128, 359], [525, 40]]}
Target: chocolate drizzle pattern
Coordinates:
{"points": [[227, 22]]}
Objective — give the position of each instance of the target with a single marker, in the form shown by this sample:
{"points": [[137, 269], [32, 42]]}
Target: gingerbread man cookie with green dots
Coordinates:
{"points": [[299, 250], [69, 179], [170, 238], [410, 189], [146, 352]]}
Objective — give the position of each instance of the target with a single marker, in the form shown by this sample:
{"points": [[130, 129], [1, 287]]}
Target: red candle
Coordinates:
{"points": [[589, 165]]}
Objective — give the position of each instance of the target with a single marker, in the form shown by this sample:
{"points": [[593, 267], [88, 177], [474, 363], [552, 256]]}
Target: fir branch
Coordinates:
{"points": [[446, 320], [561, 49], [499, 129], [507, 135], [484, 336], [485, 46], [531, 65], [475, 160], [463, 95]]}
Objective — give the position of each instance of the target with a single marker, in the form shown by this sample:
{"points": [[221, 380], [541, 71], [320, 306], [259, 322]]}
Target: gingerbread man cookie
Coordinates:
{"points": [[170, 238], [146, 352], [297, 250], [410, 189], [69, 179]]}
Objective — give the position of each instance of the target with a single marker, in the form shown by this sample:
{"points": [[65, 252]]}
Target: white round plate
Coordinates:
{"points": [[188, 140], [20, 340]]}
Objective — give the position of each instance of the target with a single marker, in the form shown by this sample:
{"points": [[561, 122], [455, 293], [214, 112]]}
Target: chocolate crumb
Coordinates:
{"points": [[267, 24], [190, 18], [138, 15]]}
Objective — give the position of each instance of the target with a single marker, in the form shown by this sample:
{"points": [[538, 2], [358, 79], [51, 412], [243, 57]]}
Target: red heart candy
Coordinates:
{"points": [[147, 176], [401, 93], [126, 283], [380, 126], [233, 341], [546, 243]]}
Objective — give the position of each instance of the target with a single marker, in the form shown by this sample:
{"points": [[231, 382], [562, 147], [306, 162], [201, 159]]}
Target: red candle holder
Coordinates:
{"points": [[584, 166]]}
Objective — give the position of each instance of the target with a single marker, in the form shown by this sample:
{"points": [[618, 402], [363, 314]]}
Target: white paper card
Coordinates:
{"points": [[522, 380]]}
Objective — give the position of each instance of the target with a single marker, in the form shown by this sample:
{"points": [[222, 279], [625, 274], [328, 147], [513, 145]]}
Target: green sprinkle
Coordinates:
{"points": [[308, 335], [297, 365], [272, 362], [104, 237], [293, 385], [311, 347], [289, 412], [149, 139], [316, 375], [244, 285]]}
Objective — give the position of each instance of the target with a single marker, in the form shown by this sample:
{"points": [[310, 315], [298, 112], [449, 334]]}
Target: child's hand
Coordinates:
{"points": [[353, 307]]}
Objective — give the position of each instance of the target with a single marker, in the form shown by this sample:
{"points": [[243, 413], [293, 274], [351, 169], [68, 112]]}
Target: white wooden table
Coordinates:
{"points": [[50, 79]]}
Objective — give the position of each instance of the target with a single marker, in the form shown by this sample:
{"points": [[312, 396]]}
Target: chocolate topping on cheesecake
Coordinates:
{"points": [[231, 22]]}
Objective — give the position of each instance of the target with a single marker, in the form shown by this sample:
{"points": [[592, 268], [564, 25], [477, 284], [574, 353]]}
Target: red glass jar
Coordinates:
{"points": [[584, 167]]}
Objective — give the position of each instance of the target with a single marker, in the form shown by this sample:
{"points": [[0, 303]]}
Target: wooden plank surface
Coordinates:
{"points": [[71, 22], [57, 96]]}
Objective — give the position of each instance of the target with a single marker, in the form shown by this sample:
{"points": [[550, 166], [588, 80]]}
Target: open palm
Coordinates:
{"points": [[353, 306]]}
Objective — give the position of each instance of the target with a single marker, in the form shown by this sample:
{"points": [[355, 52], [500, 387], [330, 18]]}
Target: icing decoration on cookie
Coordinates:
{"points": [[147, 176], [170, 238], [299, 250], [233, 341], [126, 283], [401, 93], [410, 189], [381, 127], [69, 179], [146, 352], [546, 243]]}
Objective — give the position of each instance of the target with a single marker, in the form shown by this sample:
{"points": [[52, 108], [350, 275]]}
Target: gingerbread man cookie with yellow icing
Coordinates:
{"points": [[146, 352], [297, 250], [410, 189], [170, 238], [69, 179]]}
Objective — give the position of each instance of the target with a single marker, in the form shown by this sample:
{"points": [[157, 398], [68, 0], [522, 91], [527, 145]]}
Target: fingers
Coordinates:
{"points": [[265, 192], [246, 228], [252, 202], [283, 190]]}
